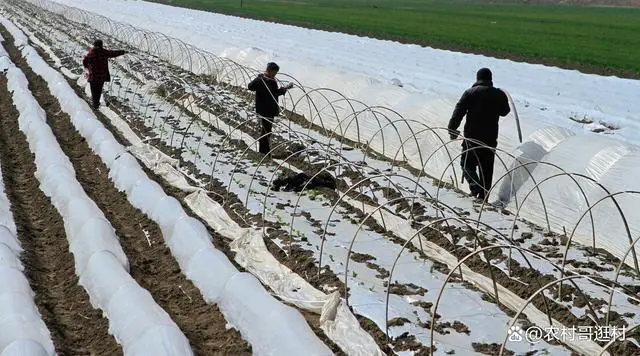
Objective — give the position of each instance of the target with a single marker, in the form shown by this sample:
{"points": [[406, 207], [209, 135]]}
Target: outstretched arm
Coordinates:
{"points": [[460, 111], [113, 54], [280, 91], [284, 89]]}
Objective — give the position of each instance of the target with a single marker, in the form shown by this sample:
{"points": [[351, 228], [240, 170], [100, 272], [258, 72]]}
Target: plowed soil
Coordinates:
{"points": [[76, 328], [152, 264]]}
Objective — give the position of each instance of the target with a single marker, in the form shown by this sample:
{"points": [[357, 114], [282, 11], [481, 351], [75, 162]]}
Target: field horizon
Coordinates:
{"points": [[597, 39], [153, 223]]}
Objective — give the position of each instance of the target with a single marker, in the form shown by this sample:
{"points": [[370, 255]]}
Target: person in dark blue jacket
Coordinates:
{"points": [[267, 94], [483, 104]]}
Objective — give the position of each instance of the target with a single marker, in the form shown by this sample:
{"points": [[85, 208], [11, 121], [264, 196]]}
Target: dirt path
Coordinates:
{"points": [[152, 264], [76, 328]]}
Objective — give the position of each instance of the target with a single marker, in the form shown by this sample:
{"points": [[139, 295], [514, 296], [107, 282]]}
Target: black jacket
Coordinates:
{"points": [[483, 104], [267, 93]]}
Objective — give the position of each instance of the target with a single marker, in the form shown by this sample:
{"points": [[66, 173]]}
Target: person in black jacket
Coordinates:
{"points": [[483, 105], [267, 93]]}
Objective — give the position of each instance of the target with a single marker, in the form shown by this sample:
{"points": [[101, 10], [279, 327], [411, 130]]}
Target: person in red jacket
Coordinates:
{"points": [[96, 64]]}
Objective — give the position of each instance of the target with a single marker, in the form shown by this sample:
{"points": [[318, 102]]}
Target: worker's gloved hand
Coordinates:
{"points": [[453, 134], [289, 86]]}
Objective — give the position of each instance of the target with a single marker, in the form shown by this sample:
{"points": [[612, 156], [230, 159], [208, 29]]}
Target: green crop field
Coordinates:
{"points": [[592, 39]]}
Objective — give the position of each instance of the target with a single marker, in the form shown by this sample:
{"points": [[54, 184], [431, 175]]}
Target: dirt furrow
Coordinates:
{"points": [[301, 261], [218, 241], [76, 327], [477, 265], [152, 264]]}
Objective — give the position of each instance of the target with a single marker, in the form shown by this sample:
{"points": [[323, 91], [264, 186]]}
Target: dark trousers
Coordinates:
{"points": [[477, 168], [96, 92], [266, 124]]}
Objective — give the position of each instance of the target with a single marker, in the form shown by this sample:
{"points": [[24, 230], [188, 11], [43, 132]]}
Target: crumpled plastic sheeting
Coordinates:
{"points": [[544, 139], [150, 156], [292, 336], [174, 177], [252, 252], [431, 105], [92, 241], [161, 164], [336, 319]]}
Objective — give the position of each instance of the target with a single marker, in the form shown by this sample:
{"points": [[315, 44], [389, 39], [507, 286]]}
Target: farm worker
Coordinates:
{"points": [[483, 105], [97, 69], [267, 93]]}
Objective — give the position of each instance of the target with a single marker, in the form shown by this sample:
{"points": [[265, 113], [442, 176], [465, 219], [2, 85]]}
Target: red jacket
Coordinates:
{"points": [[95, 61]]}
